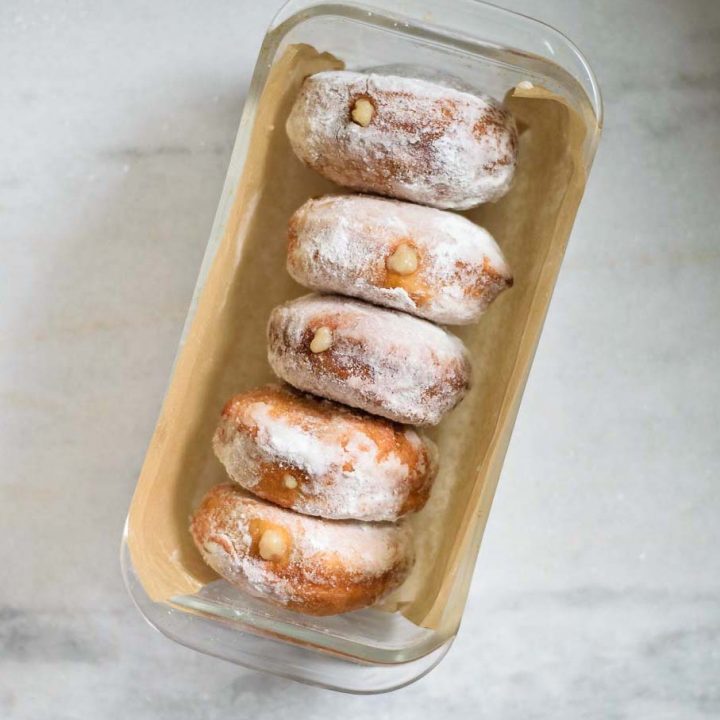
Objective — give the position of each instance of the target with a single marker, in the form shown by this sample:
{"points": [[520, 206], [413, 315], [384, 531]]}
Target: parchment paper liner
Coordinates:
{"points": [[224, 350]]}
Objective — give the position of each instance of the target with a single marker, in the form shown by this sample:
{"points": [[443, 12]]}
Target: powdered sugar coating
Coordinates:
{"points": [[342, 463], [329, 567], [425, 143], [341, 243], [382, 361]]}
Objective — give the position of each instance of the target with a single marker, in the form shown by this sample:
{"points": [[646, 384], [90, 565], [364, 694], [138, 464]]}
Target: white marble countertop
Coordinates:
{"points": [[597, 591]]}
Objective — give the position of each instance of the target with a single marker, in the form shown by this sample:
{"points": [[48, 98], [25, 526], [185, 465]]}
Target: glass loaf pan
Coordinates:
{"points": [[222, 350]]}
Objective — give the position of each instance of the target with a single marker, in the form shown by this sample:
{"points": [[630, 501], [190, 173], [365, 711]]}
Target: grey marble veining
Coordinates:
{"points": [[597, 591]]}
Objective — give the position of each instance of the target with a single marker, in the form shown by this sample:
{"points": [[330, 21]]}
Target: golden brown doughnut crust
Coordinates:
{"points": [[321, 458], [346, 243], [423, 142], [381, 361], [321, 567]]}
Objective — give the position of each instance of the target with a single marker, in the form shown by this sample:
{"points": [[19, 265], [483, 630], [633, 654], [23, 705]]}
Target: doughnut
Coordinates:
{"points": [[427, 262], [307, 564], [382, 361], [320, 458], [403, 137]]}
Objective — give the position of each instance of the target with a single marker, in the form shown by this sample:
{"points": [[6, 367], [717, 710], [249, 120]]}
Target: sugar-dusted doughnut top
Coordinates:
{"points": [[382, 361], [431, 263], [321, 458], [404, 137], [315, 566]]}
